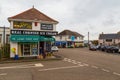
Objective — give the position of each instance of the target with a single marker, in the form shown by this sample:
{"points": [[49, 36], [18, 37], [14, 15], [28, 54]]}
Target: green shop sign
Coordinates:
{"points": [[30, 38]]}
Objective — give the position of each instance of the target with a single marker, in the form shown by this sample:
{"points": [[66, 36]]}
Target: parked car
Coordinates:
{"points": [[115, 49], [54, 49], [108, 49], [103, 47], [112, 49], [93, 48]]}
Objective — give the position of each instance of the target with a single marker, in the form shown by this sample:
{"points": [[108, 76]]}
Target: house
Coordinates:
{"points": [[109, 39], [4, 35], [31, 33], [69, 38]]}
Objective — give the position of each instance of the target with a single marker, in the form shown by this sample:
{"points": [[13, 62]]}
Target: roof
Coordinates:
{"points": [[71, 33], [32, 14], [109, 36]]}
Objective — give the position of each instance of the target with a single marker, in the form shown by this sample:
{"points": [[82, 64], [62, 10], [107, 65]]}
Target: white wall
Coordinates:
{"points": [[35, 27], [66, 38]]}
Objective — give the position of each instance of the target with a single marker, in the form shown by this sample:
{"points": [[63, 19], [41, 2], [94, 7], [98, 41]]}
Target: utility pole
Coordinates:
{"points": [[4, 40], [88, 39], [4, 35]]}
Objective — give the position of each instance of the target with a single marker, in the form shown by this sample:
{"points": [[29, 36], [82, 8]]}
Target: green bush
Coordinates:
{"points": [[5, 51]]}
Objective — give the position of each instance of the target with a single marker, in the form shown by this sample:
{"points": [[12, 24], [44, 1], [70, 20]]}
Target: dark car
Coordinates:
{"points": [[103, 47], [112, 49], [108, 49]]}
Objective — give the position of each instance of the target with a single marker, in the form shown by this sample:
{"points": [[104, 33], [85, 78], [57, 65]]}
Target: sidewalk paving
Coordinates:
{"points": [[31, 59]]}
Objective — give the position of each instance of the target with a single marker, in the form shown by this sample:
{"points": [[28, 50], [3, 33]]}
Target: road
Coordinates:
{"points": [[77, 64]]}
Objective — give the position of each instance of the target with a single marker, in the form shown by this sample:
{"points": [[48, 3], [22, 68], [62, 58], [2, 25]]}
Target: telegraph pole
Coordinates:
{"points": [[4, 35], [88, 39]]}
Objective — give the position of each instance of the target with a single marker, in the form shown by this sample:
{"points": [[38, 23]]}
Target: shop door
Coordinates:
{"points": [[26, 49]]}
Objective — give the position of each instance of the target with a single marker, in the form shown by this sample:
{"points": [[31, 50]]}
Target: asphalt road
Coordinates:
{"points": [[77, 64]]}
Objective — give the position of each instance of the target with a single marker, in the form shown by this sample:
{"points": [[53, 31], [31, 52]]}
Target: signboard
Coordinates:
{"points": [[26, 32], [24, 38], [72, 38], [22, 25], [46, 26]]}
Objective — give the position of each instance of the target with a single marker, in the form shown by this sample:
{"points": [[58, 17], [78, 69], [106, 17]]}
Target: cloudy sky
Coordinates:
{"points": [[82, 16]]}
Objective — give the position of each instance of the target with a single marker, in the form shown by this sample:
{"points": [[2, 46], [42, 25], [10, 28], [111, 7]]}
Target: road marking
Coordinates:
{"points": [[3, 74], [85, 64], [80, 65], [23, 66], [94, 67], [57, 68], [105, 70], [79, 62], [39, 65], [115, 73], [74, 62]]}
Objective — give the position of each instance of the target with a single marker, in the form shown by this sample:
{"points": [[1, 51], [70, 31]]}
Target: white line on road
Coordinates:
{"points": [[57, 68], [105, 70], [80, 65], [23, 66], [115, 73], [3, 74], [94, 67], [39, 65], [74, 62], [85, 64], [79, 62]]}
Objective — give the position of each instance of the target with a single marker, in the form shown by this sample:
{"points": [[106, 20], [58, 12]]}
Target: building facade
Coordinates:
{"points": [[31, 33], [4, 35], [109, 39], [69, 38]]}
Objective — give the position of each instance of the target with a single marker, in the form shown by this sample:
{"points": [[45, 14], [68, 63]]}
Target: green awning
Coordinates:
{"points": [[30, 38], [46, 38]]}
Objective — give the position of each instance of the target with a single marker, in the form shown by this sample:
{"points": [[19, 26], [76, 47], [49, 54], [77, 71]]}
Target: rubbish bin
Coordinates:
{"points": [[16, 57]]}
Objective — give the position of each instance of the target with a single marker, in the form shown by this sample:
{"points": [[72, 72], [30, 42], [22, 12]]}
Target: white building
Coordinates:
{"points": [[69, 38], [30, 31], [109, 39]]}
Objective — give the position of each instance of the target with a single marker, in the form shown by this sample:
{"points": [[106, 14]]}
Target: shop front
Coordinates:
{"points": [[30, 45]]}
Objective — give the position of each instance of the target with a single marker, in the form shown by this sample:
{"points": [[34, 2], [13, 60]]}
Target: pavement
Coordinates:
{"points": [[31, 59]]}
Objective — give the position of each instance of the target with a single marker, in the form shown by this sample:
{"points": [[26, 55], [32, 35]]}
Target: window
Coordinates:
{"points": [[60, 37], [108, 40], [0, 38], [46, 26], [22, 25], [7, 38]]}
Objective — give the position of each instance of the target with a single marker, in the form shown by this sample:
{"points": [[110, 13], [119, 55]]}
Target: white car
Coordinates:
{"points": [[54, 49]]}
